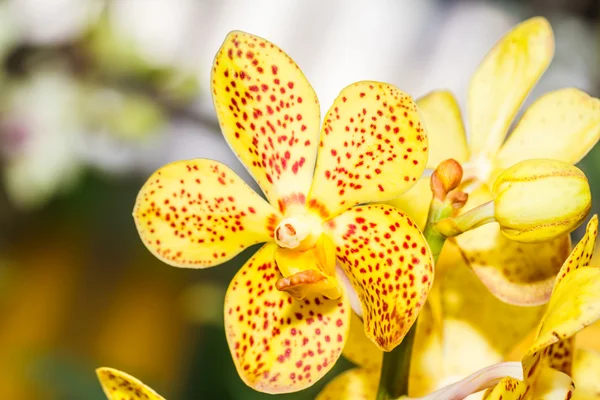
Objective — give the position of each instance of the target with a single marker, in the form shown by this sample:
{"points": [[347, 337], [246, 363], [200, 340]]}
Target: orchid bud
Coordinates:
{"points": [[539, 200]]}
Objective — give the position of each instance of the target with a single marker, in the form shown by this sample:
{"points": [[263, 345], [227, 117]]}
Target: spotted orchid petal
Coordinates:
{"points": [[575, 301], [503, 80], [118, 385], [390, 266], [269, 115], [557, 386], [280, 344], [586, 370], [516, 273], [566, 121], [552, 385], [373, 148], [354, 384], [199, 213], [575, 304], [445, 129]]}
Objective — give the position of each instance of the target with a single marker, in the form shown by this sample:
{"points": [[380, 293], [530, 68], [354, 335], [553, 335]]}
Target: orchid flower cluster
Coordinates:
{"points": [[354, 232]]}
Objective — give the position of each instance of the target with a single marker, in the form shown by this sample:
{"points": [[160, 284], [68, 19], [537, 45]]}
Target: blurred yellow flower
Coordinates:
{"points": [[562, 125], [286, 311], [548, 366]]}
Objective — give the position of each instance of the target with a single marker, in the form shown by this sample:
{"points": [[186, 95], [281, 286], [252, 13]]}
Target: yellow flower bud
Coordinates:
{"points": [[538, 200]]}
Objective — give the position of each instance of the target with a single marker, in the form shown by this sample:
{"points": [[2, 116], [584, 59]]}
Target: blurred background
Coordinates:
{"points": [[95, 95]]}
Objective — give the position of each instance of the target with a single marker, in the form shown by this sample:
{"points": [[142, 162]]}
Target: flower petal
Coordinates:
{"points": [[575, 301], [373, 148], [389, 265], [199, 213], [118, 385], [360, 349], [269, 115], [562, 125], [479, 329], [504, 79], [279, 344], [586, 370], [552, 385], [427, 360], [516, 273], [354, 384], [507, 389], [445, 129], [415, 202]]}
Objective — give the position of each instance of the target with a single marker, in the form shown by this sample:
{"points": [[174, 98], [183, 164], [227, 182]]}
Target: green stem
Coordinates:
{"points": [[453, 226], [395, 370]]}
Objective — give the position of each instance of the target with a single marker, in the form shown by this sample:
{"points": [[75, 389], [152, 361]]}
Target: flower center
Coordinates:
{"points": [[305, 258], [298, 232]]}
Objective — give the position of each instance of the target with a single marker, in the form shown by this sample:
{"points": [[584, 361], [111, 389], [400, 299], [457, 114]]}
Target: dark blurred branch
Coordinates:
{"points": [[20, 61]]}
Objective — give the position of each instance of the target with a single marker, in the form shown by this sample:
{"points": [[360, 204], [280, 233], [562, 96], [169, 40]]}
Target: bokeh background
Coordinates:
{"points": [[95, 95]]}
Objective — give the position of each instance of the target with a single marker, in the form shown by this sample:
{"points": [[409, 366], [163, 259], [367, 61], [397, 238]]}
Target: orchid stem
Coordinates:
{"points": [[395, 370], [478, 216]]}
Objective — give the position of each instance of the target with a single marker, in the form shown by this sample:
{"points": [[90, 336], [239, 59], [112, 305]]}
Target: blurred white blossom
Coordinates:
{"points": [[40, 124]]}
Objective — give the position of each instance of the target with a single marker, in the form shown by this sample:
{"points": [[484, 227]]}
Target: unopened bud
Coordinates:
{"points": [[446, 177], [539, 200]]}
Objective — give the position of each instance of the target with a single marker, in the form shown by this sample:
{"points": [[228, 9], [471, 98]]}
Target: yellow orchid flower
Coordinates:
{"points": [[287, 310], [118, 385], [562, 125]]}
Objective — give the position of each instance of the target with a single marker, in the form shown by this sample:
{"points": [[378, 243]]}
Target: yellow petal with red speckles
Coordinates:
{"points": [[516, 273], [360, 349], [354, 384], [390, 266], [373, 148], [507, 389], [562, 125], [504, 79], [269, 115], [199, 213], [280, 344], [575, 301], [552, 385], [574, 305], [118, 385], [586, 370], [442, 118]]}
